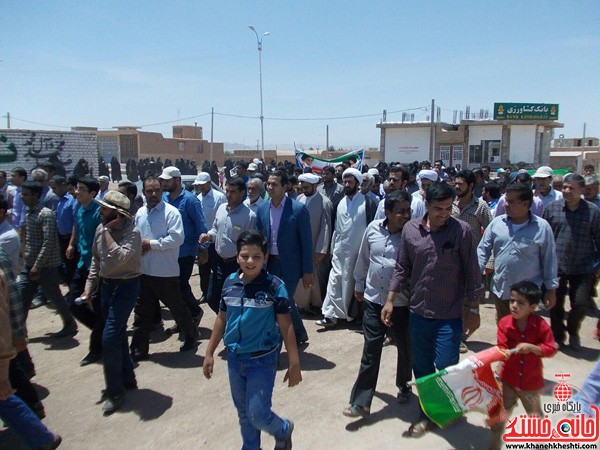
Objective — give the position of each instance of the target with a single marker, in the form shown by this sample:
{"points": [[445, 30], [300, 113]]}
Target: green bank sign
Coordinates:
{"points": [[525, 111]]}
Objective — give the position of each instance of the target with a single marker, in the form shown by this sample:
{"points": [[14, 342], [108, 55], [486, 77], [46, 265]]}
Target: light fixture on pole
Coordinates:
{"points": [[262, 129]]}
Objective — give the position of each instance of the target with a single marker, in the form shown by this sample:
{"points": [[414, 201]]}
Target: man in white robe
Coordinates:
{"points": [[320, 211], [351, 220]]}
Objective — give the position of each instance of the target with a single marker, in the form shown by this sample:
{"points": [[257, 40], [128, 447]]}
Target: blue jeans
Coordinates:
{"points": [[274, 268], [434, 344], [118, 300], [251, 381], [19, 418]]}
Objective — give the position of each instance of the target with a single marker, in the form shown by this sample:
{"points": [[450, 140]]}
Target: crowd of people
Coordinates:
{"points": [[408, 251]]}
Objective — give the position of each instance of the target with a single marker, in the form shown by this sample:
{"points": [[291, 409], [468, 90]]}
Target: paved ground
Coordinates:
{"points": [[177, 408]]}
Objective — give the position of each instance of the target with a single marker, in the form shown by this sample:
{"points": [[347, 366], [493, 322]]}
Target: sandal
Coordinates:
{"points": [[356, 411], [420, 428]]}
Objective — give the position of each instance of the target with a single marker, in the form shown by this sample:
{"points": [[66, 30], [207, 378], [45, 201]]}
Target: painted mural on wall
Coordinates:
{"points": [[30, 148]]}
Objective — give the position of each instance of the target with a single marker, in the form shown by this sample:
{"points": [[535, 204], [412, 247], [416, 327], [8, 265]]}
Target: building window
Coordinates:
{"points": [[457, 155], [181, 146], [445, 154], [577, 142], [200, 148], [475, 154]]}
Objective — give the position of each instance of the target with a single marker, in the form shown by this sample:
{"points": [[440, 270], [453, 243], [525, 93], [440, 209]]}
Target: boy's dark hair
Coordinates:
{"points": [[529, 290], [439, 191], [394, 198], [589, 166], [252, 237], [33, 186], [90, 183], [329, 169], [523, 178], [282, 176], [238, 183], [525, 194]]}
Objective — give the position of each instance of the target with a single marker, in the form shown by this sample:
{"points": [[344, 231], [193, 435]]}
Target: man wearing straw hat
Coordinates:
{"points": [[116, 259]]}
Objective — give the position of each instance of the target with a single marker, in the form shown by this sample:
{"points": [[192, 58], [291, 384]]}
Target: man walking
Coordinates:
{"points": [[193, 226], [162, 233], [437, 263], [286, 225], [575, 224], [42, 257], [210, 200], [354, 213], [320, 212], [87, 220], [374, 268], [230, 221], [523, 248], [116, 260]]}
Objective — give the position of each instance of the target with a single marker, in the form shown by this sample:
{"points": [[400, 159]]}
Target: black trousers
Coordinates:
{"points": [[221, 269], [374, 335], [579, 288], [204, 270], [89, 315], [186, 265], [153, 289], [69, 266]]}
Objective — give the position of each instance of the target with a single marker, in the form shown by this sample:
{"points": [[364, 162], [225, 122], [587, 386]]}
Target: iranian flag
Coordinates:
{"points": [[469, 385]]}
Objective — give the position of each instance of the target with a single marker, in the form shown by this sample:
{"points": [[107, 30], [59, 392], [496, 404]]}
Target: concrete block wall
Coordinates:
{"points": [[36, 146]]}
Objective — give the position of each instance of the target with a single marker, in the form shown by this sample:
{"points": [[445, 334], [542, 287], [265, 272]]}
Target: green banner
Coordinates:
{"points": [[525, 111]]}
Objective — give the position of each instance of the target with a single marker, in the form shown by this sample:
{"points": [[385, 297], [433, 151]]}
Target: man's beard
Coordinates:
{"points": [[350, 191], [112, 216]]}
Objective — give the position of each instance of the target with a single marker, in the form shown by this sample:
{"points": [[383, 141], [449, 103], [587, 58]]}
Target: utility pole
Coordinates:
{"points": [[8, 120], [432, 130], [580, 169], [327, 139], [212, 122]]}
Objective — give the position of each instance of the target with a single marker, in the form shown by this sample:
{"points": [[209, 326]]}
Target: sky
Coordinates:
{"points": [[156, 64]]}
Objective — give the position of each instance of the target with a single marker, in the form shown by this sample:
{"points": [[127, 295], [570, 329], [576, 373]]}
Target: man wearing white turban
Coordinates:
{"points": [[320, 211], [354, 213], [424, 178]]}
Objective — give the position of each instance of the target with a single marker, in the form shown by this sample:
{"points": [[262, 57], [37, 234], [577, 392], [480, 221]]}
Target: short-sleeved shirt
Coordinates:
{"points": [[251, 329]]}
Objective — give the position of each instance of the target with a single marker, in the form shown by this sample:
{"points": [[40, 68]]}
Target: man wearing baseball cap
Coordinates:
{"points": [[193, 226], [542, 179], [210, 199]]}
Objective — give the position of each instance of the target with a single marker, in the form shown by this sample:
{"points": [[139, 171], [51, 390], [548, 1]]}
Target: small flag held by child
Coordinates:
{"points": [[469, 385]]}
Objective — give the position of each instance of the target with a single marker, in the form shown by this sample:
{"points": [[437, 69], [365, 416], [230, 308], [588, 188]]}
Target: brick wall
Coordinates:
{"points": [[36, 146]]}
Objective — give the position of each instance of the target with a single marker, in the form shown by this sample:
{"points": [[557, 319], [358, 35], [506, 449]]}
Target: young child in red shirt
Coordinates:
{"points": [[522, 375]]}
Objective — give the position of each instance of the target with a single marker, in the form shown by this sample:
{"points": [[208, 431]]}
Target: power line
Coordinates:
{"points": [[240, 116]]}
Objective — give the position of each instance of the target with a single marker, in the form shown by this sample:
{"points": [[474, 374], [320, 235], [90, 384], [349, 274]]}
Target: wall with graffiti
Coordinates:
{"points": [[30, 148]]}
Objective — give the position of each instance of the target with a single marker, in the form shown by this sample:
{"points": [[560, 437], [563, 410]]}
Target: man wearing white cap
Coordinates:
{"points": [[193, 226], [103, 180], [320, 210], [354, 213], [210, 199], [542, 179]]}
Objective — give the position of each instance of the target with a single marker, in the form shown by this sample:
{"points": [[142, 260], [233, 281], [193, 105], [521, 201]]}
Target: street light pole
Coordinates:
{"points": [[262, 118]]}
